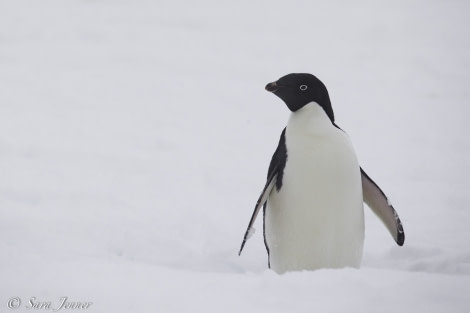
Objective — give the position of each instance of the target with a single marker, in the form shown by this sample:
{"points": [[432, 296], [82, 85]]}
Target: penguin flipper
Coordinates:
{"points": [[260, 203], [275, 171], [376, 199]]}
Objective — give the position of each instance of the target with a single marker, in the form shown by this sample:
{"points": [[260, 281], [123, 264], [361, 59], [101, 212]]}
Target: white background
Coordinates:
{"points": [[135, 138]]}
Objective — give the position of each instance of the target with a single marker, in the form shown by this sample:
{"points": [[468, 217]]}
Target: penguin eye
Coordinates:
{"points": [[303, 87]]}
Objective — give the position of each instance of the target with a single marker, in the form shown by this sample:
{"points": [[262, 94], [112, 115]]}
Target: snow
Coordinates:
{"points": [[251, 232], [135, 138]]}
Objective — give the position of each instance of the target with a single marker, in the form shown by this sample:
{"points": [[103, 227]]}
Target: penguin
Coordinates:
{"points": [[313, 215]]}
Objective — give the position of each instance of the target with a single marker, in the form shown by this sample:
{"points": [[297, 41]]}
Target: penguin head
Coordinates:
{"points": [[296, 90]]}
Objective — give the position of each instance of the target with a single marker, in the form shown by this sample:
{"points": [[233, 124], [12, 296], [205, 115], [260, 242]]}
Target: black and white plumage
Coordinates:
{"points": [[313, 197]]}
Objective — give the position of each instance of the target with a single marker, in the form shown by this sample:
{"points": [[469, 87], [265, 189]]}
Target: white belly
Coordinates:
{"points": [[316, 219]]}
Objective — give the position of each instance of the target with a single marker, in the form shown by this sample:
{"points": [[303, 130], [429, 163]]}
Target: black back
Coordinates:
{"points": [[278, 160]]}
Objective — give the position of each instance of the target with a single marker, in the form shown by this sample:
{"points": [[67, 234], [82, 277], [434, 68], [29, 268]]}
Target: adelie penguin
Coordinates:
{"points": [[313, 198]]}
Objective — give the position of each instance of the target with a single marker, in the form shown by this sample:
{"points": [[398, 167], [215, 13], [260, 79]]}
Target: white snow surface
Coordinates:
{"points": [[251, 232], [135, 138]]}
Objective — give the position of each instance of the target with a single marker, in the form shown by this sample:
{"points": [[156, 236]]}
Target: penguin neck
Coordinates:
{"points": [[311, 118]]}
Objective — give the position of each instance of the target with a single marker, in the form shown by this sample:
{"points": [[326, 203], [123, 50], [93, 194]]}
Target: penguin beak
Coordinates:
{"points": [[272, 87]]}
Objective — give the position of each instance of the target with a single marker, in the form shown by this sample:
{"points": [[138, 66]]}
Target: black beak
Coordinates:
{"points": [[272, 87]]}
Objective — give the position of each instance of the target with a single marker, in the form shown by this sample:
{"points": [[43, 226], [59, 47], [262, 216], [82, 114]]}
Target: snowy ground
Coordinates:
{"points": [[135, 137]]}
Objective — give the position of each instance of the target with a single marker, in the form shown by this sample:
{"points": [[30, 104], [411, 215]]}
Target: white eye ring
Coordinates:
{"points": [[303, 87]]}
